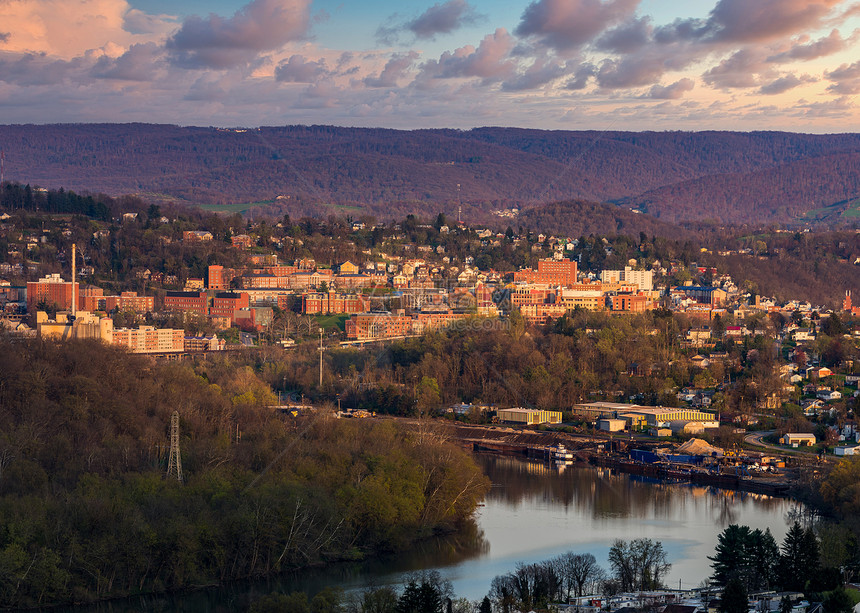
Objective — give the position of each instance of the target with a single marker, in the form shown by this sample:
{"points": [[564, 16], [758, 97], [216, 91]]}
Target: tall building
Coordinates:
{"points": [[551, 272], [643, 278], [215, 277], [53, 290], [147, 339]]}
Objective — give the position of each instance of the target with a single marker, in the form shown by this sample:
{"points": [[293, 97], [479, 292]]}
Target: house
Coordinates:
{"points": [[846, 450], [348, 268], [828, 395], [798, 438], [818, 373]]}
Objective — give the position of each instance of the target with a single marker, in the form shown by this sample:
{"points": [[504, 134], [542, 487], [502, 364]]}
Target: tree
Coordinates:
{"points": [[639, 565], [838, 601], [731, 556], [734, 598], [577, 570], [427, 394], [799, 558], [486, 606]]}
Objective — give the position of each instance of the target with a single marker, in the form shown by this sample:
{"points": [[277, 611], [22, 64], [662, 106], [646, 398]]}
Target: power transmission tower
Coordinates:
{"points": [[174, 464]]}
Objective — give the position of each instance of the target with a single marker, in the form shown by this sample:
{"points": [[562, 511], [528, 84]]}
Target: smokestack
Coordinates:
{"points": [[74, 298]]}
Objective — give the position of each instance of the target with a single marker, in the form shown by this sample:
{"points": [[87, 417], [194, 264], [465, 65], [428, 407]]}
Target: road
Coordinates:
{"points": [[756, 439]]}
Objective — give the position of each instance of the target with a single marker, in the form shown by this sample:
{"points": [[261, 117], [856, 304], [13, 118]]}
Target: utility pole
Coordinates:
{"points": [[2, 166], [321, 355], [174, 463]]}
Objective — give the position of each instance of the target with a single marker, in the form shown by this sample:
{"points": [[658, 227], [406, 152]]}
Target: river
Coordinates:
{"points": [[533, 512]]}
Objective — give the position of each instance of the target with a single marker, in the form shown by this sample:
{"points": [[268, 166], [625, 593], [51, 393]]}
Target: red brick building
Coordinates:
{"points": [[314, 303], [215, 277], [197, 302], [53, 290], [366, 326], [225, 304], [633, 303], [551, 272]]}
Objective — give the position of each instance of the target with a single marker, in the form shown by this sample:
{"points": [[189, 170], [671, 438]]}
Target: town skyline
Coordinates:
{"points": [[553, 64]]}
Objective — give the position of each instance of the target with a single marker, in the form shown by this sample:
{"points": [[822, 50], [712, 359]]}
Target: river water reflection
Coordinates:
{"points": [[533, 512]]}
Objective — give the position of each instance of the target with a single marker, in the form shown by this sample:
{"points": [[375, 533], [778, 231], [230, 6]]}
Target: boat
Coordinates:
{"points": [[561, 453]]}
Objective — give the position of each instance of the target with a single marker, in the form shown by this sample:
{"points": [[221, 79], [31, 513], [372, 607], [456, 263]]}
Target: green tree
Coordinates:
{"points": [[486, 606], [734, 598], [799, 558], [838, 601]]}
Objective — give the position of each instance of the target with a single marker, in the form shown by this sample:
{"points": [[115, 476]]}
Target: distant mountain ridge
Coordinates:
{"points": [[729, 177]]}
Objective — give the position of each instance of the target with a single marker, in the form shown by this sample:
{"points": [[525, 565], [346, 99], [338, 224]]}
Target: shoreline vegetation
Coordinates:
{"points": [[86, 512]]}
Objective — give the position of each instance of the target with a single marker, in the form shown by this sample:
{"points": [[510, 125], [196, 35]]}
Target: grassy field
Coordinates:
{"points": [[232, 208], [328, 322]]}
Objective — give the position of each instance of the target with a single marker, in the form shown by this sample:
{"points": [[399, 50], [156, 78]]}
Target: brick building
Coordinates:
{"points": [[314, 303], [225, 304], [147, 339], [367, 326], [551, 272], [197, 302], [53, 290]]}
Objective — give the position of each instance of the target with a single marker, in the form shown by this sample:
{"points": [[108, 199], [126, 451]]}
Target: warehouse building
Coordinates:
{"points": [[529, 417]]}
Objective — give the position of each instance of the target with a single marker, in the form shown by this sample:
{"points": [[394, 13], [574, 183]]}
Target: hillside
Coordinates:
{"points": [[730, 177]]}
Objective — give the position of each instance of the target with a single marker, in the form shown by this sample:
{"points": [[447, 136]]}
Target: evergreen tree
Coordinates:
{"points": [[731, 558], [799, 559], [764, 560], [486, 606], [734, 598]]}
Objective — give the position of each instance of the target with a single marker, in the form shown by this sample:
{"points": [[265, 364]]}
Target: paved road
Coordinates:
{"points": [[756, 439]]}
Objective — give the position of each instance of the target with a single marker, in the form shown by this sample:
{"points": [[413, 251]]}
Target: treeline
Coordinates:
{"points": [[637, 565], [747, 560], [726, 176], [817, 267], [86, 511], [14, 196], [503, 362]]}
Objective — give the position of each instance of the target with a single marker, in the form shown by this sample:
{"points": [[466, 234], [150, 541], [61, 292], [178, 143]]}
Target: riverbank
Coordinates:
{"points": [[608, 452]]}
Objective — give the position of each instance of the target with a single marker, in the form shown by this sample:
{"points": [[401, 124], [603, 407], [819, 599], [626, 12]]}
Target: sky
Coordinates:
{"points": [[551, 64]]}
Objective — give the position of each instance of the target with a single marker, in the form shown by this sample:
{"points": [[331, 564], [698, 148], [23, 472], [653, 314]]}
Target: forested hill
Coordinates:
{"points": [[756, 177]]}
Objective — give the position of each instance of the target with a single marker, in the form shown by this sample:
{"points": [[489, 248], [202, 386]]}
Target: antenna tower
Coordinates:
{"points": [[174, 464]]}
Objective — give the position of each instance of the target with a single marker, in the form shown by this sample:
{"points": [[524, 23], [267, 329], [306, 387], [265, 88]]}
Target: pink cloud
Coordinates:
{"points": [[261, 25]]}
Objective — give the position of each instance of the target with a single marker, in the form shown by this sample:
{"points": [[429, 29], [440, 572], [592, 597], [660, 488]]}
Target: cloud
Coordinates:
{"points": [[785, 83], [138, 22], [539, 73], [34, 69], [846, 79], [582, 76], [490, 61], [762, 20], [829, 109], [396, 68], [218, 43], [627, 37], [673, 91], [569, 24], [441, 18], [833, 43], [139, 63], [738, 70], [742, 21], [4, 36], [298, 70], [64, 28]]}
